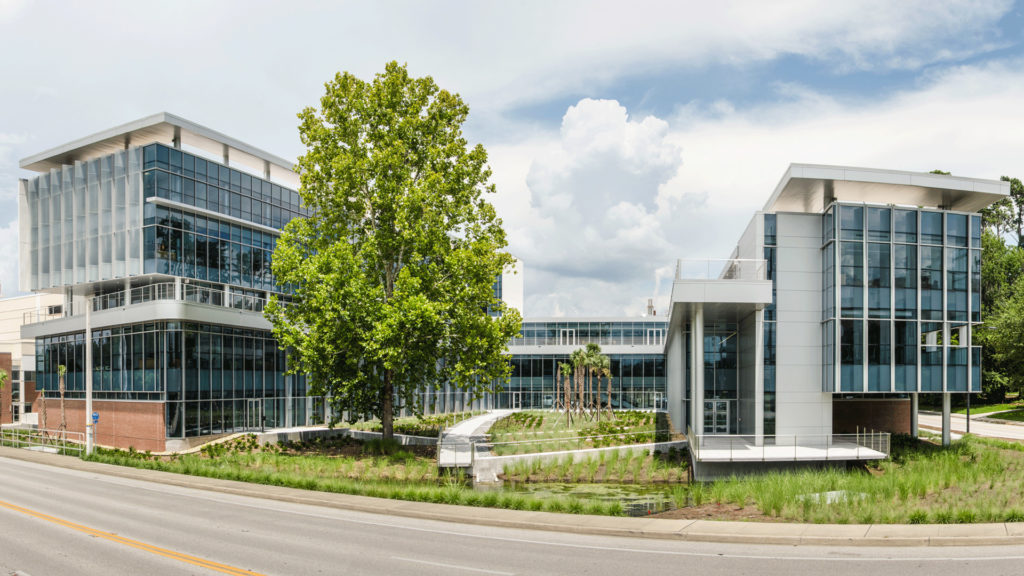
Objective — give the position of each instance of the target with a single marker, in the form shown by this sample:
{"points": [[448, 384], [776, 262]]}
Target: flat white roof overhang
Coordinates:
{"points": [[812, 187], [721, 300], [167, 128]]}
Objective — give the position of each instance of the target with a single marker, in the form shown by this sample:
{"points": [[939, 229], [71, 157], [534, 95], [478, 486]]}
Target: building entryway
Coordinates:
{"points": [[716, 416]]}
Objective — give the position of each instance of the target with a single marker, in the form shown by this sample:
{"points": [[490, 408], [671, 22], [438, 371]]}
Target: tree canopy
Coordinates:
{"points": [[393, 273]]}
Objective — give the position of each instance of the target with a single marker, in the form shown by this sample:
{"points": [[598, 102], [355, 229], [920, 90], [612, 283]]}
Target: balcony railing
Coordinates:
{"points": [[721, 269], [158, 292], [866, 445]]}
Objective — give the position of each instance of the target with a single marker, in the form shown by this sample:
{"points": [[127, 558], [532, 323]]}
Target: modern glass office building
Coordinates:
{"points": [[850, 293], [168, 243]]}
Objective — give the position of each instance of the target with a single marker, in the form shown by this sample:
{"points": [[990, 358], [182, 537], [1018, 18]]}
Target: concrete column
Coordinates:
{"points": [[177, 288], [913, 414], [759, 377], [227, 296], [945, 419], [698, 369]]}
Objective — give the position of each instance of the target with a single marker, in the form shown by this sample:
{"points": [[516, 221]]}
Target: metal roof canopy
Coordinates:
{"points": [[165, 127], [811, 188]]}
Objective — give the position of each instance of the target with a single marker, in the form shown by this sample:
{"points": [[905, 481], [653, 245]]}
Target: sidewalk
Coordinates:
{"points": [[457, 442], [686, 530]]}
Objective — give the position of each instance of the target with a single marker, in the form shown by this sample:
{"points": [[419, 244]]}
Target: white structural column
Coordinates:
{"points": [[913, 414], [945, 418], [759, 377], [697, 374], [90, 429]]}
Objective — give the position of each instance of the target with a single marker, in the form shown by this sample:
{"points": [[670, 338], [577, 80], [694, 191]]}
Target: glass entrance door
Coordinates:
{"points": [[716, 416], [517, 400], [254, 414]]}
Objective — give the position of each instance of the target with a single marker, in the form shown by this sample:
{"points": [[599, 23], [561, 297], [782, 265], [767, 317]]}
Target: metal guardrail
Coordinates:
{"points": [[863, 445], [60, 441], [721, 269]]}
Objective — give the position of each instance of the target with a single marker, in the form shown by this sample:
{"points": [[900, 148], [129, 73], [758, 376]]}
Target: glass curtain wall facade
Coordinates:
{"points": [[770, 242], [84, 221], [638, 381], [156, 210], [580, 333], [901, 290]]}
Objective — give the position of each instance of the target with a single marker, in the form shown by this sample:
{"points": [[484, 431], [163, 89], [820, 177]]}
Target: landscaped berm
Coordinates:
{"points": [[974, 480]]}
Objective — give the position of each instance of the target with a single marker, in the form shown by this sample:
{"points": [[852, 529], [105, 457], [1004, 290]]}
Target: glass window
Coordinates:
{"points": [[905, 351], [905, 271], [878, 224], [956, 229], [975, 231], [931, 227], [879, 351], [975, 285], [931, 283], [851, 222], [956, 288], [852, 280], [878, 280], [827, 230], [769, 229], [904, 226], [851, 355]]}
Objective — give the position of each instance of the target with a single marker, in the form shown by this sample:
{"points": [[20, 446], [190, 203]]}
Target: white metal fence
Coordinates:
{"points": [[58, 441]]}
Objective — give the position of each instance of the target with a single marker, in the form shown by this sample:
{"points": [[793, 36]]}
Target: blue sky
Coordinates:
{"points": [[622, 136]]}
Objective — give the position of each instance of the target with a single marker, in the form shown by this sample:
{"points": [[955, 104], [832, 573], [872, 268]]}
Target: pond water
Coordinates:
{"points": [[636, 499]]}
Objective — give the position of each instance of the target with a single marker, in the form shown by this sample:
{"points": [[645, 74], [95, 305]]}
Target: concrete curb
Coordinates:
{"points": [[997, 534]]}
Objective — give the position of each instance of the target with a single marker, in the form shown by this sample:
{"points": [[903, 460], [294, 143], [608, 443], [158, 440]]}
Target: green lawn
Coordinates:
{"points": [[430, 426], [987, 408], [347, 466], [546, 431], [1016, 416], [975, 480]]}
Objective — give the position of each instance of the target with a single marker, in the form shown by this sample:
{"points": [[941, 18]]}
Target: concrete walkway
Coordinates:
{"points": [[690, 530], [458, 441]]}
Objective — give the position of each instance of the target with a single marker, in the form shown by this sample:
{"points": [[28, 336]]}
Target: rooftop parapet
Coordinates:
{"points": [[173, 130], [812, 187]]}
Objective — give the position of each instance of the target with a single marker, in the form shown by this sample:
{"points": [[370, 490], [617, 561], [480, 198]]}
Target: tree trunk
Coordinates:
{"points": [[63, 416], [387, 417], [565, 389], [611, 413], [579, 389]]}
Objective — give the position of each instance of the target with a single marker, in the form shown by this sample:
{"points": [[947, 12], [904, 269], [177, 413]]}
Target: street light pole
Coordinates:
{"points": [[89, 427]]}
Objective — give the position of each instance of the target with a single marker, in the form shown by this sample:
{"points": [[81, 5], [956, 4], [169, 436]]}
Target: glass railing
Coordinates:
{"points": [[158, 292], [720, 269]]}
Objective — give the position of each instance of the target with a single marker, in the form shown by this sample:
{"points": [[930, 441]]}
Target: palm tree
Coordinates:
{"points": [[603, 366], [61, 371], [565, 369], [579, 362], [593, 355], [608, 373], [3, 383]]}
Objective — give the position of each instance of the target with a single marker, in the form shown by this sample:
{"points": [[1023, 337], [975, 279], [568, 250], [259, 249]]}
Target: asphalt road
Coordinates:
{"points": [[59, 521], [958, 424]]}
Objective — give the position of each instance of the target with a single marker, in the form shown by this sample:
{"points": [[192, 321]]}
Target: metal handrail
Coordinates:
{"points": [[59, 440], [866, 444], [161, 291]]}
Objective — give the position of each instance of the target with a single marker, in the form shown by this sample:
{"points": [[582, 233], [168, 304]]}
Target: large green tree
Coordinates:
{"points": [[393, 273]]}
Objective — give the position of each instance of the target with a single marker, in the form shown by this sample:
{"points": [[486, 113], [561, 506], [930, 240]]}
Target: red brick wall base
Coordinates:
{"points": [[122, 424], [6, 416], [882, 415]]}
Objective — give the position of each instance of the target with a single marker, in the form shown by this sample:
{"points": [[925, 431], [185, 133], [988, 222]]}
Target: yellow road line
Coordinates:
{"points": [[194, 560]]}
